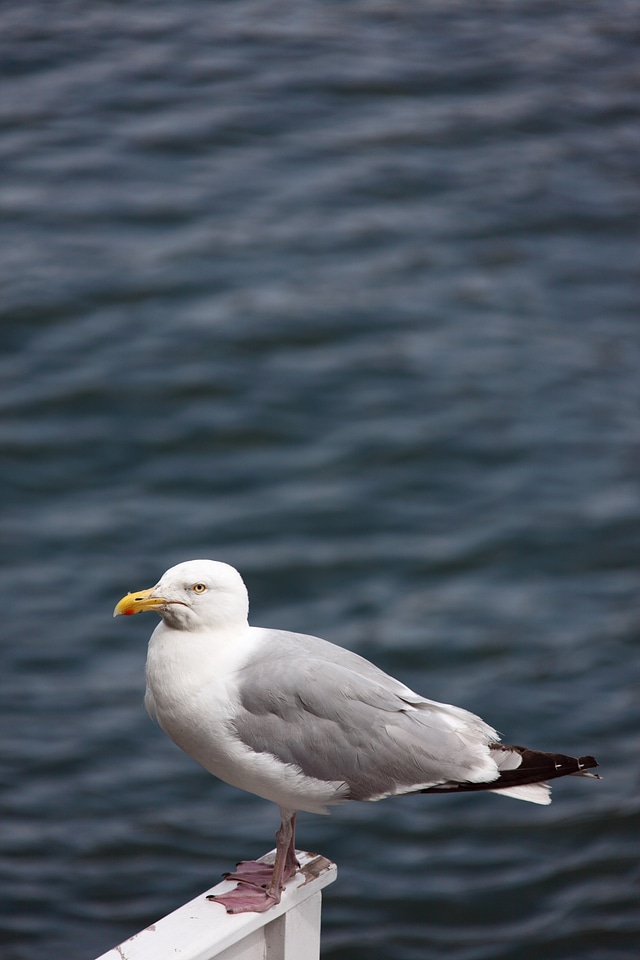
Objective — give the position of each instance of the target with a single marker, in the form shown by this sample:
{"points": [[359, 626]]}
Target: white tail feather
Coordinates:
{"points": [[533, 792]]}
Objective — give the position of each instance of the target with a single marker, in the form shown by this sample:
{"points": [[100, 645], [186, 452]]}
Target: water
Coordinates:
{"points": [[342, 294]]}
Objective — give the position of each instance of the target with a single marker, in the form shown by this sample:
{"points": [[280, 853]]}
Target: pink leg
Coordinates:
{"points": [[259, 885]]}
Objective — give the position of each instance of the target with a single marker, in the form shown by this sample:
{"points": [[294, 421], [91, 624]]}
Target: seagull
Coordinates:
{"points": [[304, 723]]}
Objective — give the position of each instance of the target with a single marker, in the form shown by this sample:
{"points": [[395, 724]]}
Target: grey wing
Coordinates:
{"points": [[337, 717]]}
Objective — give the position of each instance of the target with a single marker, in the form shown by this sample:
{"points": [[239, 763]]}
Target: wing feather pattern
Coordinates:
{"points": [[336, 717]]}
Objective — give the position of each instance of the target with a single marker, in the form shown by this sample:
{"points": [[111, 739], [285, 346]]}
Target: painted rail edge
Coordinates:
{"points": [[202, 930]]}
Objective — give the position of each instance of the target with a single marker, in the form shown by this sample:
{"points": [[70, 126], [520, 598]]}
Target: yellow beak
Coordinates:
{"points": [[138, 602]]}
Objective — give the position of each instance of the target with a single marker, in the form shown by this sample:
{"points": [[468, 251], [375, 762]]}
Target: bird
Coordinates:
{"points": [[307, 724]]}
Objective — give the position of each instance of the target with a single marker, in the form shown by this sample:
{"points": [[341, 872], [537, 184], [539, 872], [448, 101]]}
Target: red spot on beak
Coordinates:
{"points": [[129, 612]]}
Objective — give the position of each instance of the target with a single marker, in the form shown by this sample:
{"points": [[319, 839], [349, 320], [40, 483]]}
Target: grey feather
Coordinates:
{"points": [[335, 716]]}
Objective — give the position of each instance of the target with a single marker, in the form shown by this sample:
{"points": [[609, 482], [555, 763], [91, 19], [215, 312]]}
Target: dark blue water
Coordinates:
{"points": [[342, 294]]}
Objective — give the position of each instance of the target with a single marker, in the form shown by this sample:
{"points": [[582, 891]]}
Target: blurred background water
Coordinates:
{"points": [[342, 294]]}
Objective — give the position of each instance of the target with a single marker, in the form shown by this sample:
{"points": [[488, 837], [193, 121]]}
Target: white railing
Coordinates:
{"points": [[202, 930]]}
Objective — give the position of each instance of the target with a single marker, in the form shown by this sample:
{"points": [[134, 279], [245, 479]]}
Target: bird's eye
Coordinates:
{"points": [[199, 587]]}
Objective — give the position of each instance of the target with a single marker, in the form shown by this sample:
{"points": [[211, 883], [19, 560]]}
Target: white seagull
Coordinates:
{"points": [[306, 724]]}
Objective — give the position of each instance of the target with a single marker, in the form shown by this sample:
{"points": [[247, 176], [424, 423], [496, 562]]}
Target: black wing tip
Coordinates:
{"points": [[561, 763], [537, 767], [587, 763]]}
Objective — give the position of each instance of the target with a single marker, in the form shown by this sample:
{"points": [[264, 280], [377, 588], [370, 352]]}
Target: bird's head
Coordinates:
{"points": [[195, 595]]}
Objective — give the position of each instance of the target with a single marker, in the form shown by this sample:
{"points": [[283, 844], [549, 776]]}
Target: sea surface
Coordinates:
{"points": [[344, 294]]}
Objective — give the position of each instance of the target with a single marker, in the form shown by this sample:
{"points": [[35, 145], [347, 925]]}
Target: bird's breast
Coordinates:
{"points": [[192, 687]]}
